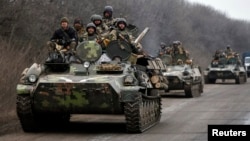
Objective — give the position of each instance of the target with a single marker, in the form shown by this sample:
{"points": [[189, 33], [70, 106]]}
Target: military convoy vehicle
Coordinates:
{"points": [[183, 75], [223, 68], [246, 62], [94, 83]]}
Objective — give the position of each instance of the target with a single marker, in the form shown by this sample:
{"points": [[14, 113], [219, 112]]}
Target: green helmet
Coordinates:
{"points": [[95, 17], [121, 20], [90, 25], [108, 9]]}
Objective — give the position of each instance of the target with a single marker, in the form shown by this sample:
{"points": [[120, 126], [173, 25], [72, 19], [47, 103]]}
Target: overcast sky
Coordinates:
{"points": [[237, 9]]}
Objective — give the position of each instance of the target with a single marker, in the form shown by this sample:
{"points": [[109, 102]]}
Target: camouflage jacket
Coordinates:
{"points": [[87, 37], [109, 22], [102, 30], [80, 35], [121, 34]]}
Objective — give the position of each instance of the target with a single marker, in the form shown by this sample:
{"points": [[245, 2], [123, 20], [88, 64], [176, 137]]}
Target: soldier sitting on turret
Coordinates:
{"points": [[162, 49], [102, 30], [121, 33], [108, 16], [228, 50], [63, 41], [178, 52], [219, 58], [90, 34]]}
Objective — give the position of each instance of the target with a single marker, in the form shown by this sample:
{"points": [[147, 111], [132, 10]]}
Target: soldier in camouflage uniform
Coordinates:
{"points": [[108, 16], [228, 50], [121, 33], [179, 53], [162, 49], [102, 30], [90, 34], [78, 25]]}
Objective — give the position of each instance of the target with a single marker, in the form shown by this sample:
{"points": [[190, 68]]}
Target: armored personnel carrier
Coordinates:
{"points": [[95, 83], [183, 75], [225, 67]]}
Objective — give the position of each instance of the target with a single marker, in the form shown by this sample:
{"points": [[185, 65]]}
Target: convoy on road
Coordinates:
{"points": [[96, 82], [225, 66]]}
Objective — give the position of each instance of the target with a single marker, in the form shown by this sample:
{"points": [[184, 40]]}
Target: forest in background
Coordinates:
{"points": [[26, 26]]}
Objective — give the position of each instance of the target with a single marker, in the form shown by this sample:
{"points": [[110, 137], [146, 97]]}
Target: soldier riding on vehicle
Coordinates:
{"points": [[179, 53], [102, 30], [90, 34], [78, 25], [62, 41], [122, 34], [108, 16], [162, 50]]}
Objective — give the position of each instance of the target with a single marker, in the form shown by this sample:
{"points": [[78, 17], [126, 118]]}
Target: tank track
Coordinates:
{"points": [[193, 90], [31, 122], [24, 112], [143, 113]]}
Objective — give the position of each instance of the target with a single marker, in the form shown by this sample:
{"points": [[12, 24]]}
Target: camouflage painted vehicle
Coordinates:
{"points": [[183, 76], [92, 84], [225, 68]]}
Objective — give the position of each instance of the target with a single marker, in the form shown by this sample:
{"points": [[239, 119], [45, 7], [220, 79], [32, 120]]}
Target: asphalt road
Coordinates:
{"points": [[183, 119]]}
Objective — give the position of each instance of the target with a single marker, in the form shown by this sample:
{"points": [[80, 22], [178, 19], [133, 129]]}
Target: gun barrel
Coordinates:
{"points": [[143, 33]]}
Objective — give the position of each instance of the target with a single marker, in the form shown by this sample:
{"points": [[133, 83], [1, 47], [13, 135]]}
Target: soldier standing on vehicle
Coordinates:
{"points": [[108, 16], [65, 37], [78, 25]]}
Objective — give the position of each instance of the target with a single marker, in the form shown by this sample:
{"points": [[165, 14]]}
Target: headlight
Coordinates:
{"points": [[86, 64], [32, 78]]}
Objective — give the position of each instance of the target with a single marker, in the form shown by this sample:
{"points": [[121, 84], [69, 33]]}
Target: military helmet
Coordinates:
{"points": [[64, 19], [90, 25], [176, 43], [95, 17], [108, 9], [162, 44], [121, 20]]}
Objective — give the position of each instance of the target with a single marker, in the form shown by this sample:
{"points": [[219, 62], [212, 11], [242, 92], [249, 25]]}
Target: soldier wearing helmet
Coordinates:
{"points": [[162, 49], [90, 34], [65, 37], [176, 45], [101, 27], [122, 33], [78, 25], [108, 16], [178, 52], [228, 50], [102, 30]]}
